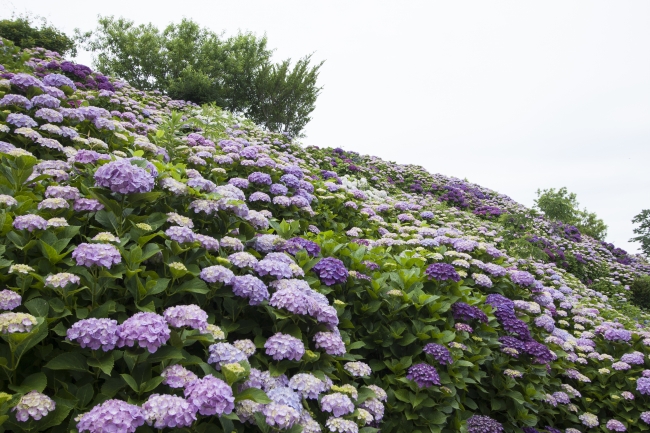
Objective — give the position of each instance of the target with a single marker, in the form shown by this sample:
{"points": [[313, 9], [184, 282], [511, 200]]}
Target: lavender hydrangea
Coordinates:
{"points": [[177, 376], [89, 255], [331, 342], [217, 273], [9, 299], [123, 177], [331, 271], [340, 425], [211, 396], [439, 352], [149, 330], [168, 411], [424, 375], [307, 385], [95, 333], [29, 223], [283, 346], [224, 353], [643, 385], [250, 287], [33, 405], [357, 368], [337, 403], [281, 416], [191, 316], [466, 312], [483, 424], [112, 416], [442, 272]]}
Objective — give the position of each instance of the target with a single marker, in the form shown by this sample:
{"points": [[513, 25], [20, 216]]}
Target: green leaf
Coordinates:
{"points": [[33, 382], [130, 381], [166, 353], [255, 394], [68, 361], [151, 384], [38, 307], [105, 363]]}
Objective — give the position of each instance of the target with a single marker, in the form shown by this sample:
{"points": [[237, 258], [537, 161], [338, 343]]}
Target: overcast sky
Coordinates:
{"points": [[511, 95]]}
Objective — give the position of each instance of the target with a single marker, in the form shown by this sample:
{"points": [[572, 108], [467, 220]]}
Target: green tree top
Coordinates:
{"points": [[643, 231], [562, 205], [21, 31]]}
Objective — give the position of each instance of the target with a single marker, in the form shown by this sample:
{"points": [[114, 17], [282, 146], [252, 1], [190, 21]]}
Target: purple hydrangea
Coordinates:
{"points": [[483, 424], [259, 196], [50, 115], [9, 299], [25, 81], [307, 385], [149, 330], [34, 405], [337, 403], [211, 396], [260, 178], [180, 234], [16, 100], [293, 245], [191, 316], [45, 101], [285, 395], [281, 416], [634, 358], [251, 287], [177, 376], [21, 120], [331, 271], [331, 342], [439, 352], [278, 189], [85, 156], [643, 385], [87, 205], [168, 411], [95, 333], [123, 177], [274, 268], [357, 368], [112, 416], [522, 278], [341, 425], [207, 242], [615, 425], [284, 346], [30, 223], [89, 255], [58, 80], [225, 353], [442, 272], [463, 311], [217, 273], [424, 375]]}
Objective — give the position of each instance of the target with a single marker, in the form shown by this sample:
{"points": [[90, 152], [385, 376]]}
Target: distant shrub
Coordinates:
{"points": [[640, 289]]}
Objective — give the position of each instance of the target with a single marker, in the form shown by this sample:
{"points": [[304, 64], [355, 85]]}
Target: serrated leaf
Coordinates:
{"points": [[68, 361], [254, 394]]}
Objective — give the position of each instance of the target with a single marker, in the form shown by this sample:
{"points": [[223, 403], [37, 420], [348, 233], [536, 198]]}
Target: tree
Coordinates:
{"points": [[189, 62], [643, 231], [22, 33], [563, 206]]}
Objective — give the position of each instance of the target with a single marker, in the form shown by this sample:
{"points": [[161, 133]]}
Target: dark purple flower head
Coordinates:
{"points": [[442, 272], [483, 424], [331, 271], [424, 375], [463, 311], [123, 177], [439, 353], [522, 278], [293, 245]]}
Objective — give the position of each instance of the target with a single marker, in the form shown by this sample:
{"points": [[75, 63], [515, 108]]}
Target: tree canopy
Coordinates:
{"points": [[562, 205], [22, 32], [187, 61], [643, 231]]}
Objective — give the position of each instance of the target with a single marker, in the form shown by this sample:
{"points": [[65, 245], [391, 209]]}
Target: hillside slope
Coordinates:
{"points": [[174, 266]]}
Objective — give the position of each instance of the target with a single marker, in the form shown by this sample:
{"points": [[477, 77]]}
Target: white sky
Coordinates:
{"points": [[511, 95]]}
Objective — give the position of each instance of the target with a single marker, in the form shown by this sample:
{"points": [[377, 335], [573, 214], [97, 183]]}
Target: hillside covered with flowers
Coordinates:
{"points": [[170, 267]]}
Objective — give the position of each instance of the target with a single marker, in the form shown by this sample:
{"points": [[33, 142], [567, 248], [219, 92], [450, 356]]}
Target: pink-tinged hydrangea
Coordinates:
{"points": [[123, 177], [61, 280], [280, 416], [463, 327], [442, 272], [149, 330], [337, 403], [95, 333], [307, 385], [191, 316], [340, 425], [331, 342], [331, 271], [211, 396], [16, 323], [89, 255], [424, 375], [30, 223], [112, 416], [250, 287], [273, 268], [217, 273], [483, 424], [33, 405], [177, 376], [87, 205], [9, 299], [357, 368], [168, 411], [283, 346], [224, 353]]}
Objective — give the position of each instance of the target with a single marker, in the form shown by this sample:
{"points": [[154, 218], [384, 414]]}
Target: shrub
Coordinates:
{"points": [[640, 289]]}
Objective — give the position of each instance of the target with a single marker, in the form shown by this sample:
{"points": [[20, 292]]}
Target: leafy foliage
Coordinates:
{"points": [[643, 231], [640, 289], [193, 63], [22, 31]]}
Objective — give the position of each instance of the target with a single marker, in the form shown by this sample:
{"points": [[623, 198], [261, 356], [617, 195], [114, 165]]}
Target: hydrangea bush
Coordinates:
{"points": [[168, 266]]}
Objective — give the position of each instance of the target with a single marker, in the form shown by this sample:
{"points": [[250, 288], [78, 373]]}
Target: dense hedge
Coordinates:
{"points": [[171, 266]]}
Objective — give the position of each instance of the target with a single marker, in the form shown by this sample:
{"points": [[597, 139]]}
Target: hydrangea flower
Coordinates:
{"points": [[439, 352], [217, 273], [251, 287], [442, 272], [123, 177], [177, 376], [29, 223], [16, 322], [283, 346], [168, 411], [338, 404], [246, 346], [331, 342], [483, 424], [424, 375], [33, 405], [589, 419], [149, 330], [357, 368], [191, 316], [112, 415], [9, 299], [62, 279], [224, 353], [95, 333], [89, 255], [463, 311], [211, 396], [331, 271], [280, 415], [340, 425], [307, 385]]}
